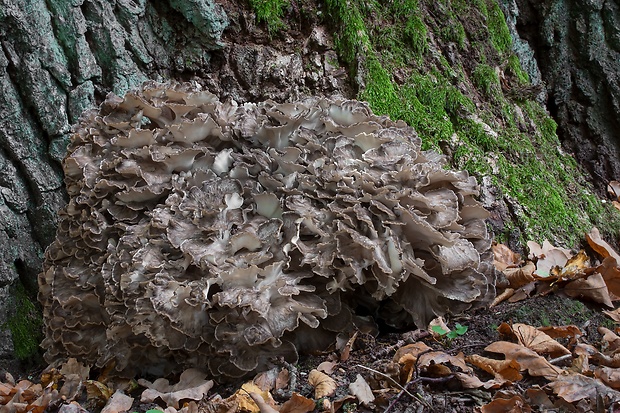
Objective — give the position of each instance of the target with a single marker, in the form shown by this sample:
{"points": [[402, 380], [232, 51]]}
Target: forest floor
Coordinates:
{"points": [[544, 351]]}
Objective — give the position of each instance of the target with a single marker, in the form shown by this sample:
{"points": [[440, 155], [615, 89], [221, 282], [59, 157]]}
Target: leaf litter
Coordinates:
{"points": [[569, 364]]}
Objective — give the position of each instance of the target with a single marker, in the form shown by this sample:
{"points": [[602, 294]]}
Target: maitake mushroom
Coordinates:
{"points": [[201, 233]]}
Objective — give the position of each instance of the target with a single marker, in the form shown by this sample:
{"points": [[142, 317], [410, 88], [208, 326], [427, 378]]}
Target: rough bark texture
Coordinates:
{"points": [[60, 57], [577, 45]]}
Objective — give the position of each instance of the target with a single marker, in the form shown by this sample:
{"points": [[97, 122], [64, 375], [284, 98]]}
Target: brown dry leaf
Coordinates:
{"points": [[601, 246], [97, 392], [507, 370], [592, 288], [266, 380], [298, 404], [191, 385], [570, 331], [616, 204], [518, 277], [346, 351], [528, 359], [244, 401], [439, 357], [514, 405], [523, 293], [614, 315], [327, 367], [263, 406], [324, 386], [504, 257], [282, 380], [611, 274], [414, 349], [41, 404], [592, 353], [360, 389], [506, 294], [537, 251], [537, 340], [118, 403], [613, 188], [575, 266], [72, 366], [538, 397], [575, 387], [469, 381], [609, 376], [610, 338]]}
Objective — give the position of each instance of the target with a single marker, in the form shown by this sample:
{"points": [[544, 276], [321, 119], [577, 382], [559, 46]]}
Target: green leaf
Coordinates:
{"points": [[154, 411], [459, 329], [439, 330]]}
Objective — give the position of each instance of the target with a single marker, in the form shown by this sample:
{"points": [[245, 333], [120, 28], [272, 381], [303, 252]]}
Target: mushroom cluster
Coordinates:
{"points": [[210, 234]]}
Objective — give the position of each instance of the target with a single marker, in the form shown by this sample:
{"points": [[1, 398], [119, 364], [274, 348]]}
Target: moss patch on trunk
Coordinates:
{"points": [[447, 68]]}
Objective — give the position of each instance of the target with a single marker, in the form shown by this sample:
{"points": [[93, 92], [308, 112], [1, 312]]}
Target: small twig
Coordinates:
{"points": [[560, 359]]}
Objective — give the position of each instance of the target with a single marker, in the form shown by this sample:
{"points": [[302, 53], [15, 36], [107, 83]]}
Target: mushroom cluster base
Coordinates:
{"points": [[208, 234]]}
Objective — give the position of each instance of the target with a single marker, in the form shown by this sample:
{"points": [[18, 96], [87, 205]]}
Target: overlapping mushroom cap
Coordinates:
{"points": [[202, 233]]}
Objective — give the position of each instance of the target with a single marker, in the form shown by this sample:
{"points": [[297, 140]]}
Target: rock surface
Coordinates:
{"points": [[577, 46]]}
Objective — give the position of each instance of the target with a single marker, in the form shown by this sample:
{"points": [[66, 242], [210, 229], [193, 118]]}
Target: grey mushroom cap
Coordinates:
{"points": [[201, 233]]}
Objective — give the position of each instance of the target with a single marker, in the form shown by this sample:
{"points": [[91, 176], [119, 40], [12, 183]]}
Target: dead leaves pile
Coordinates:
{"points": [[553, 269]]}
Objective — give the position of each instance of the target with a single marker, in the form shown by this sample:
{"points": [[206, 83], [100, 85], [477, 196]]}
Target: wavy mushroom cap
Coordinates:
{"points": [[202, 233]]}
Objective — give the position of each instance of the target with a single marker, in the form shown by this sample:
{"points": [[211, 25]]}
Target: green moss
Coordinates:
{"points": [[514, 67], [270, 12], [25, 325], [486, 80], [498, 30], [529, 168]]}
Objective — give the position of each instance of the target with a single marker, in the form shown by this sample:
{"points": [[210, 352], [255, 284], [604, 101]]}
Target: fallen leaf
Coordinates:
{"points": [[610, 338], [298, 404], [118, 403], [327, 367], [538, 397], [515, 404], [522, 293], [504, 257], [570, 331], [346, 351], [609, 376], [614, 314], [575, 387], [528, 359], [601, 246], [613, 188], [282, 379], [518, 277], [415, 349], [191, 385], [244, 401], [360, 389], [503, 296], [266, 380], [263, 406], [407, 357], [97, 392], [507, 370], [324, 386], [593, 288], [611, 274], [537, 340], [439, 358], [537, 251], [575, 266]]}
